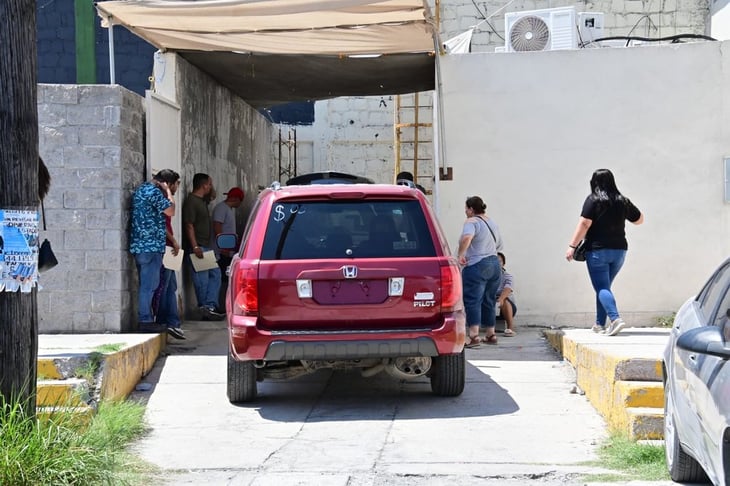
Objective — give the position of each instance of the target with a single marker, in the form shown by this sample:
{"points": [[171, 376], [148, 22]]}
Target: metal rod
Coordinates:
{"points": [[112, 77]]}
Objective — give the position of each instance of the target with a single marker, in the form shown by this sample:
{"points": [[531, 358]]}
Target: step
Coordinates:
{"points": [[643, 394], [621, 380], [645, 423], [75, 372], [71, 392], [80, 414]]}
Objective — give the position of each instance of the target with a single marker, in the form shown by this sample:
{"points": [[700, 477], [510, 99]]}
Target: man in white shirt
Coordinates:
{"points": [[224, 221]]}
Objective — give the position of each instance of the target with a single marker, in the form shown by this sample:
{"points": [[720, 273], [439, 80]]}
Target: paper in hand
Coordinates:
{"points": [[171, 261], [206, 263]]}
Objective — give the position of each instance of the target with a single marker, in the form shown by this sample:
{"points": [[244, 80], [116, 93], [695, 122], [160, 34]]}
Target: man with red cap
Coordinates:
{"points": [[224, 221]]}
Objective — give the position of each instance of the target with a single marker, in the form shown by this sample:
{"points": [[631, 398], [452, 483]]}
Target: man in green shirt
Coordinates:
{"points": [[196, 240]]}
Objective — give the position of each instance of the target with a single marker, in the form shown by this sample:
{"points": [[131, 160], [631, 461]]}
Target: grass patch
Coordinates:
{"points": [[109, 348], [631, 460], [62, 449], [88, 370], [666, 321]]}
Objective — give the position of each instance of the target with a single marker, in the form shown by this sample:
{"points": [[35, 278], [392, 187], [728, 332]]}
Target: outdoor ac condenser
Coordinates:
{"points": [[541, 30]]}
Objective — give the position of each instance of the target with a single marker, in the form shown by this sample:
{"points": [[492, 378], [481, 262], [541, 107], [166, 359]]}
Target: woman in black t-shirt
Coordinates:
{"points": [[601, 223]]}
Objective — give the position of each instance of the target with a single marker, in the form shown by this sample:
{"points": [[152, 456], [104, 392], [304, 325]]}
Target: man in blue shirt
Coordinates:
{"points": [[151, 202]]}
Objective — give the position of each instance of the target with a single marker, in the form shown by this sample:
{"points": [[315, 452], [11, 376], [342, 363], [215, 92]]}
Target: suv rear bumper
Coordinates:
{"points": [[326, 350], [250, 343]]}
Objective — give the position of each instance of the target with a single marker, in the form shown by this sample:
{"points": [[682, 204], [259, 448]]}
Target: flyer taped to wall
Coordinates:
{"points": [[18, 249]]}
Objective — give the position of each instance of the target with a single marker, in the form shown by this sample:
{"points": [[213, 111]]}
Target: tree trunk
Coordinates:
{"points": [[18, 189]]}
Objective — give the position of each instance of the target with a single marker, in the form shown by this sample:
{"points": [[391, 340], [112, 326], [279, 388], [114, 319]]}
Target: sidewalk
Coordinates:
{"points": [[620, 375]]}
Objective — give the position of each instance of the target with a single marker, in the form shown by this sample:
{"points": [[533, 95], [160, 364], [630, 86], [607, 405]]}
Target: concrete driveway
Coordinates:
{"points": [[517, 422]]}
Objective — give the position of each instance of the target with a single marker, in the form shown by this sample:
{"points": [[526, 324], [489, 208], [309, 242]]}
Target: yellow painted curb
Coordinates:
{"points": [[635, 407], [66, 393], [645, 423], [630, 394], [47, 369], [123, 369]]}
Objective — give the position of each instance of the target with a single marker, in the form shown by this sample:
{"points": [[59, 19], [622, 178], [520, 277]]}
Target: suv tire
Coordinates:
{"points": [[448, 374], [241, 380]]}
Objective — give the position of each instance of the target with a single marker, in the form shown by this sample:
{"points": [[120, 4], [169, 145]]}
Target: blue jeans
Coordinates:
{"points": [[603, 266], [481, 281], [207, 283], [167, 309], [148, 269]]}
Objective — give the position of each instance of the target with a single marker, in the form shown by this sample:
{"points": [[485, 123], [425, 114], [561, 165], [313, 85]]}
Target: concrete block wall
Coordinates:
{"points": [[645, 18], [225, 138], [92, 140]]}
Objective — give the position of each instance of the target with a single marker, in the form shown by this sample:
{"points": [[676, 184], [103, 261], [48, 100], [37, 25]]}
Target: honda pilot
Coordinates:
{"points": [[344, 276]]}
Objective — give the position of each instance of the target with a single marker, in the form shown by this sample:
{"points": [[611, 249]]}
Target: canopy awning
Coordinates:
{"points": [[276, 51]]}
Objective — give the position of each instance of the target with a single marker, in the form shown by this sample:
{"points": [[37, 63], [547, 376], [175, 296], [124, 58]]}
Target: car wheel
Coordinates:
{"points": [[448, 374], [241, 380], [682, 467]]}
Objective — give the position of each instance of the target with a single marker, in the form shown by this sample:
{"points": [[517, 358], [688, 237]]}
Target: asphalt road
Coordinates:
{"points": [[517, 422]]}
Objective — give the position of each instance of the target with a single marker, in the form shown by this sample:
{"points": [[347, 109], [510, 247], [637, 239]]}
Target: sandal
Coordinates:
{"points": [[490, 339], [509, 333], [473, 342]]}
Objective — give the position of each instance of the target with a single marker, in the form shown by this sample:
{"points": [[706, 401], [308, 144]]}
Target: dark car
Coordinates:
{"points": [[697, 385], [328, 177], [344, 276]]}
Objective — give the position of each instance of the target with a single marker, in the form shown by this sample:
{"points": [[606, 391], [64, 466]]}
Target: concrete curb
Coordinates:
{"points": [[620, 375], [119, 361]]}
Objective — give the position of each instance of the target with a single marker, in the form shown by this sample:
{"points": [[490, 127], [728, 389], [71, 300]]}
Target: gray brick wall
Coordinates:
{"points": [[92, 140]]}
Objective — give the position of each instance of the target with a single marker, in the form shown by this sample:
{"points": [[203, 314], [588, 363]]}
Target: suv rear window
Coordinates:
{"points": [[341, 229]]}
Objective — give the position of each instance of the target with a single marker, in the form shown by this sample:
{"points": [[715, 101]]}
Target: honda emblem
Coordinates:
{"points": [[349, 271]]}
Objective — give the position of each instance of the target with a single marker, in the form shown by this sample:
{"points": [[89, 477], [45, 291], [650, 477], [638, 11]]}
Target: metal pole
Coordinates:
{"points": [[112, 77]]}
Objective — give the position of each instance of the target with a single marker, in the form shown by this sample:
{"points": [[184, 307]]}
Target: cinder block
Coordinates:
{"points": [[84, 240]]}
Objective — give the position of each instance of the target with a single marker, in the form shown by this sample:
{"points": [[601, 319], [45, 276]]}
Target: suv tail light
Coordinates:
{"points": [[450, 285], [245, 292]]}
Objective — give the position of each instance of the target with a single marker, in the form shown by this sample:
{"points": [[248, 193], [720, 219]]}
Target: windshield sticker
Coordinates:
{"points": [[18, 250]]}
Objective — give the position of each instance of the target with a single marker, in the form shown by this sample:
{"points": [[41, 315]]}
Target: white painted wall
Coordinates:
{"points": [[343, 135], [525, 131], [720, 19]]}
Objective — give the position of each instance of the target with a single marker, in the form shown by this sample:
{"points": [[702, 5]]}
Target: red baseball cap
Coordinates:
{"points": [[235, 193]]}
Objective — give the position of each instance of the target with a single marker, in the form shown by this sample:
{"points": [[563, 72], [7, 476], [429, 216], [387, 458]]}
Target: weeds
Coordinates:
{"points": [[88, 370], [109, 348], [666, 321], [60, 449], [631, 460]]}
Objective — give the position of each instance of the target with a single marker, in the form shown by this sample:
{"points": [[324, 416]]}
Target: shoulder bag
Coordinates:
{"points": [[46, 258], [579, 252]]}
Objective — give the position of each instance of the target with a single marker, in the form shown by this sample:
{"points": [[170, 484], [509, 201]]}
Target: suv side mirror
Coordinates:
{"points": [[227, 241], [704, 340]]}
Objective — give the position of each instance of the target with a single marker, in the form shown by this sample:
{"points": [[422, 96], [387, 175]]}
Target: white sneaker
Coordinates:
{"points": [[615, 327], [598, 329]]}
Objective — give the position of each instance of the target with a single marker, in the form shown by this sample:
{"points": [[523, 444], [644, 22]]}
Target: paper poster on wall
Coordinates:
{"points": [[18, 249]]}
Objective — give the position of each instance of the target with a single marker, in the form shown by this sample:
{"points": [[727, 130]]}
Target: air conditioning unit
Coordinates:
{"points": [[541, 30], [590, 27]]}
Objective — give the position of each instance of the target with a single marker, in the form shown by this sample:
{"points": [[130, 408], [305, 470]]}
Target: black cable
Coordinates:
{"points": [[485, 19], [674, 38], [651, 23]]}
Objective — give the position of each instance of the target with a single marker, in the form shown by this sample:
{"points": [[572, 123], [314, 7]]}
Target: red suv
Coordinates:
{"points": [[344, 276]]}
